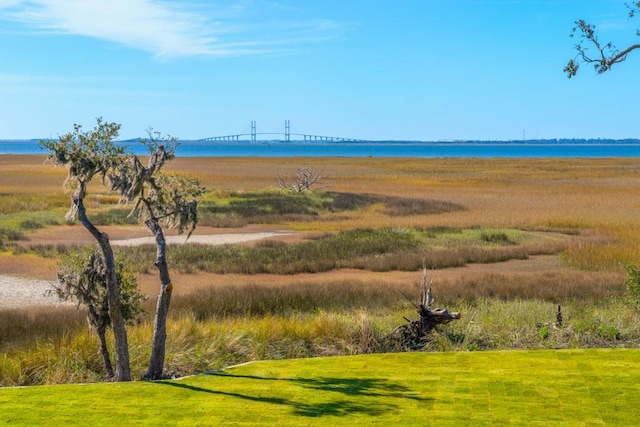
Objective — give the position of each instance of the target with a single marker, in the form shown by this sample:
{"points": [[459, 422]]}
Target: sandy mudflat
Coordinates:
{"points": [[210, 239], [17, 292]]}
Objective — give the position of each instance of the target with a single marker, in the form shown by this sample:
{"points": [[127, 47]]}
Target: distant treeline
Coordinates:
{"points": [[551, 141]]}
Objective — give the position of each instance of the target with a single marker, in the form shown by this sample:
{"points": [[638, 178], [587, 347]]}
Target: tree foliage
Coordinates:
{"points": [[605, 54], [82, 277], [169, 199], [85, 154]]}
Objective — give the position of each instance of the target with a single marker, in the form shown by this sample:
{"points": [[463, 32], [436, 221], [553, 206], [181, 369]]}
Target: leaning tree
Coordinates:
{"points": [[604, 55], [159, 199], [87, 155]]}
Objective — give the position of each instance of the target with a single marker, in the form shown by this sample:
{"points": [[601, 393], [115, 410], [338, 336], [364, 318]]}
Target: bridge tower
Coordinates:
{"points": [[287, 131], [253, 131]]}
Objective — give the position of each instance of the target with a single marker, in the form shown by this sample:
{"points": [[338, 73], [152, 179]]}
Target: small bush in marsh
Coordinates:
{"points": [[632, 283], [498, 237], [11, 235]]}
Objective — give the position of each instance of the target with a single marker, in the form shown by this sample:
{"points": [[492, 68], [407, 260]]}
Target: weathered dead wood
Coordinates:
{"points": [[306, 177], [415, 333]]}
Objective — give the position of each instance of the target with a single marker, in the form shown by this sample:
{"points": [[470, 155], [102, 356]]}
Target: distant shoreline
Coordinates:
{"points": [[593, 148]]}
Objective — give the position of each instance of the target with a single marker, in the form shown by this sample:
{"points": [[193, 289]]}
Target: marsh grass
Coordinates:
{"points": [[29, 220], [610, 250], [586, 200], [11, 203], [231, 324], [25, 326], [562, 286], [44, 250], [263, 300], [386, 249], [113, 216], [236, 209], [8, 236], [196, 345]]}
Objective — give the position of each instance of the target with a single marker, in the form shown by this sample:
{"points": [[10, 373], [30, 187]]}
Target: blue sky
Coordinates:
{"points": [[368, 69]]}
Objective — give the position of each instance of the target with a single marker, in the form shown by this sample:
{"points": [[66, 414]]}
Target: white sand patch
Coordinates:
{"points": [[17, 292], [210, 239]]}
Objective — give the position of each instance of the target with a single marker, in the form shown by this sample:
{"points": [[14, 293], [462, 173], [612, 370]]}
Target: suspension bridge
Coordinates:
{"points": [[286, 136]]}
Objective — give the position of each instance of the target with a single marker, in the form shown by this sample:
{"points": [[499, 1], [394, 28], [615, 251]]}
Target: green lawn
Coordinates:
{"points": [[576, 387]]}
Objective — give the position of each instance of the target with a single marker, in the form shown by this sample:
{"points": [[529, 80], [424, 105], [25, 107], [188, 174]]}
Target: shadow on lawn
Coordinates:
{"points": [[348, 387]]}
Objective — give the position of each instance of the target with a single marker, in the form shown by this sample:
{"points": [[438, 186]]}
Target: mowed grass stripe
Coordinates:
{"points": [[569, 387]]}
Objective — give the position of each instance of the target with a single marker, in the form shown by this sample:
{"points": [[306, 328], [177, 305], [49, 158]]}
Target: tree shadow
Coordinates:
{"points": [[348, 388], [374, 387]]}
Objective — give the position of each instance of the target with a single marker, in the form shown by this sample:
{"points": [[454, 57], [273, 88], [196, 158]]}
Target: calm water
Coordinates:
{"points": [[395, 149]]}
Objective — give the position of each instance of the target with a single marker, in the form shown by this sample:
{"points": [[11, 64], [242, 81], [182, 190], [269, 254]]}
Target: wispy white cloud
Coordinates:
{"points": [[164, 28], [84, 87]]}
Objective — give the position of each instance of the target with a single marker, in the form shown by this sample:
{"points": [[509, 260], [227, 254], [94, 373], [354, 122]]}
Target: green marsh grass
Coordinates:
{"points": [[383, 249], [11, 203], [234, 209]]}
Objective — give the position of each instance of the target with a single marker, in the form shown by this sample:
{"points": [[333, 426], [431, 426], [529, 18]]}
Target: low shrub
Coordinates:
{"points": [[12, 235], [632, 283], [37, 223], [499, 237]]}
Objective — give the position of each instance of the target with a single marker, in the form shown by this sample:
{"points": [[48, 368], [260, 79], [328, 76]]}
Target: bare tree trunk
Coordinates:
{"points": [[156, 361], [104, 351], [96, 320], [123, 371]]}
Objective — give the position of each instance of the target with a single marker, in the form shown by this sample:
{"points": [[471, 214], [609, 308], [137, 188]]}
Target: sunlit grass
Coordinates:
{"points": [[591, 387]]}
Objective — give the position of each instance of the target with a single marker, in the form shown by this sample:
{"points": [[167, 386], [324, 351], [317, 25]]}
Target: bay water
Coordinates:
{"points": [[373, 149]]}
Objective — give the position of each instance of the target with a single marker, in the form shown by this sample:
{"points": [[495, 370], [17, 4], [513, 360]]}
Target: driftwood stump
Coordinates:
{"points": [[415, 334]]}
